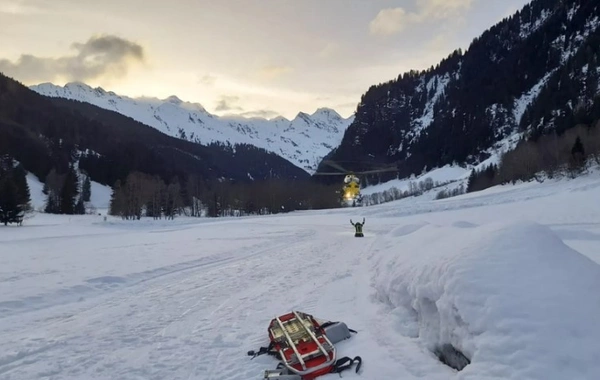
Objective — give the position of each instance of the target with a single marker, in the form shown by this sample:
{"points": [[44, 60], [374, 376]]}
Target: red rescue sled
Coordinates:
{"points": [[305, 347]]}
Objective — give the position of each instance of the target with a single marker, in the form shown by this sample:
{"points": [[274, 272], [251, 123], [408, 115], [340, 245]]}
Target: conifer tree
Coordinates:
{"points": [[14, 192], [86, 190], [79, 207], [69, 191], [24, 195], [9, 200]]}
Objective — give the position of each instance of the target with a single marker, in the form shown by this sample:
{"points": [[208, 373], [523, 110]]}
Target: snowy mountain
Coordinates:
{"points": [[533, 73], [303, 141], [48, 134]]}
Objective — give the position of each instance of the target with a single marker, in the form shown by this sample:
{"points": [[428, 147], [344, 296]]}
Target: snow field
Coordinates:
{"points": [[508, 275], [512, 297]]}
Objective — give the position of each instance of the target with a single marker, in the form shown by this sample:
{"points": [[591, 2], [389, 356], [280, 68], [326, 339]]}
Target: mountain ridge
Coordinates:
{"points": [[303, 141], [45, 134]]}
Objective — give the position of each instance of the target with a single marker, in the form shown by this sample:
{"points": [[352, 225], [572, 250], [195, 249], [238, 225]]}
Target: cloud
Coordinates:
{"points": [[100, 56], [391, 21], [443, 9], [208, 79], [331, 49], [266, 114], [346, 105], [228, 103], [274, 71], [17, 7]]}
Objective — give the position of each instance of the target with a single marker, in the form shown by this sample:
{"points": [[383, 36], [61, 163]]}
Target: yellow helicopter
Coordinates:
{"points": [[351, 195]]}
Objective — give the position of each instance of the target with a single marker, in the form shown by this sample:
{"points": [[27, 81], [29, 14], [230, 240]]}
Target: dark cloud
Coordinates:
{"points": [[103, 55], [228, 103]]}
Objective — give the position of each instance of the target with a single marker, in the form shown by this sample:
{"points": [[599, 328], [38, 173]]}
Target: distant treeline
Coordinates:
{"points": [[142, 195]]}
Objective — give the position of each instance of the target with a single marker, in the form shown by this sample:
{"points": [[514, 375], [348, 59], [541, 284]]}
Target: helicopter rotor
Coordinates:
{"points": [[351, 172]]}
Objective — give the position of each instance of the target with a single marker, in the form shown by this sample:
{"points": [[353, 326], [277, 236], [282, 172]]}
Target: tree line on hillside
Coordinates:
{"points": [[534, 158], [548, 156], [141, 195], [15, 198]]}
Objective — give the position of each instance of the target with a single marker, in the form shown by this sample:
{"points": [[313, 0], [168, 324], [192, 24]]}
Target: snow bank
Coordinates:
{"points": [[513, 298]]}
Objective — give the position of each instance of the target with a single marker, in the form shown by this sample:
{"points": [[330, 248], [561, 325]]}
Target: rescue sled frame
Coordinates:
{"points": [[294, 325], [305, 347]]}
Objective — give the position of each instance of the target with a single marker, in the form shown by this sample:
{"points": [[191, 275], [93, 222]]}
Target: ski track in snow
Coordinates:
{"points": [[180, 300]]}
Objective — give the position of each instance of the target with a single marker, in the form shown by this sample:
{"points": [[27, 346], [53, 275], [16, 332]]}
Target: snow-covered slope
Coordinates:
{"points": [[509, 276], [304, 141], [99, 200]]}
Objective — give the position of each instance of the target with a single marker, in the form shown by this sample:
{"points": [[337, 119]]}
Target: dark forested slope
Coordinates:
{"points": [[533, 73]]}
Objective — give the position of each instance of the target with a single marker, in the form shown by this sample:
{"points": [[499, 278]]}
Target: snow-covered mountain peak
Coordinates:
{"points": [[326, 113], [280, 119], [173, 99], [304, 141]]}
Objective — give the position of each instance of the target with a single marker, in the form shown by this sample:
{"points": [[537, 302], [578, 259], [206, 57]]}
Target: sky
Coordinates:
{"points": [[244, 57]]}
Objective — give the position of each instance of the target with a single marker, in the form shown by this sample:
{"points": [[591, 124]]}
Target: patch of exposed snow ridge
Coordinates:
{"points": [[303, 141], [525, 100], [439, 84], [527, 28]]}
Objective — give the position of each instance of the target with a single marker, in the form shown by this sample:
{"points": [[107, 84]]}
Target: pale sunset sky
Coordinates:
{"points": [[248, 57]]}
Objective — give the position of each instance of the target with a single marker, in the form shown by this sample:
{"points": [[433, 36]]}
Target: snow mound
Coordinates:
{"points": [[513, 298]]}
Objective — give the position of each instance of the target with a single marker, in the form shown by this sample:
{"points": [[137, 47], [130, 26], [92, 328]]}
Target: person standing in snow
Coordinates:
{"points": [[358, 227]]}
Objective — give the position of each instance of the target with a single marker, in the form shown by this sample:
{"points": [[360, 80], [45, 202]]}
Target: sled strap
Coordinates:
{"points": [[345, 363], [262, 351]]}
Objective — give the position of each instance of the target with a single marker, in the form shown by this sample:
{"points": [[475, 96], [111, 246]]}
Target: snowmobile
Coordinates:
{"points": [[305, 347]]}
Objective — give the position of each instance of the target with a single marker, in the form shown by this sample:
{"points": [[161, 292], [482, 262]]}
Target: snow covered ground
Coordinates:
{"points": [[510, 276]]}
